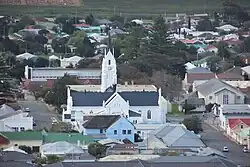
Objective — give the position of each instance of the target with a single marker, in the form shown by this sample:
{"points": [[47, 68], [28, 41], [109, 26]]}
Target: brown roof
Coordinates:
{"points": [[230, 76], [202, 76]]}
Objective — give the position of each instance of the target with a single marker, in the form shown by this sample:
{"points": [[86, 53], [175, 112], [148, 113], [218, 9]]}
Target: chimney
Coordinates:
{"points": [[132, 82], [126, 83]]}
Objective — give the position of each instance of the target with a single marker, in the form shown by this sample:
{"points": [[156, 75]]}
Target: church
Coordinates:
{"points": [[140, 104]]}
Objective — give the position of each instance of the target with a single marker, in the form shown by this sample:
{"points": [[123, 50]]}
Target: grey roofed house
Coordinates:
{"points": [[198, 70], [16, 164], [101, 121], [97, 98], [5, 109], [15, 156], [193, 99], [235, 109], [214, 85], [165, 161], [116, 31], [173, 137]]}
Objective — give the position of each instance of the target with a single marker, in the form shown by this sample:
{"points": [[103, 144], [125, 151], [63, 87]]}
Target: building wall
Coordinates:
{"points": [[117, 106], [17, 121]]}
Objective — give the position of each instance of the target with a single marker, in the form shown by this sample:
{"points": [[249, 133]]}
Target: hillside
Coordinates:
{"points": [[111, 7]]}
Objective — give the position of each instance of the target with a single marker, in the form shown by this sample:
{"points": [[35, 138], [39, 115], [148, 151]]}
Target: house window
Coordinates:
{"points": [[91, 112], [109, 62], [210, 97], [149, 115], [129, 132], [139, 132], [241, 126], [22, 128], [238, 97], [15, 129], [101, 130], [115, 132], [134, 121], [123, 132], [225, 99]]}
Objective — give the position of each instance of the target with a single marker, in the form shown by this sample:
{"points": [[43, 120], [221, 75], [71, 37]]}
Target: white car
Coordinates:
{"points": [[225, 149], [27, 109], [245, 150], [54, 120]]}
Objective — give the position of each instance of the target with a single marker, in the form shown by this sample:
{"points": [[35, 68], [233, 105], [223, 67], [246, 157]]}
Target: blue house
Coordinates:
{"points": [[109, 126]]}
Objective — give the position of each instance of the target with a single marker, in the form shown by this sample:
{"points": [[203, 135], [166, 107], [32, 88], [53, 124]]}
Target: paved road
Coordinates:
{"points": [[216, 140], [40, 112]]}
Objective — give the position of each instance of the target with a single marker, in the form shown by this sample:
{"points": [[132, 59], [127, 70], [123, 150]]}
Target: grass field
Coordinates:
{"points": [[125, 8]]}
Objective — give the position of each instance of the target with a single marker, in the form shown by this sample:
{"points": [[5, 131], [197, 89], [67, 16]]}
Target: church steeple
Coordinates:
{"points": [[109, 72]]}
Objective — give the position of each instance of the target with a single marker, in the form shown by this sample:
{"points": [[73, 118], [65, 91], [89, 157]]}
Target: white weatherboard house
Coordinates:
{"points": [[140, 104]]}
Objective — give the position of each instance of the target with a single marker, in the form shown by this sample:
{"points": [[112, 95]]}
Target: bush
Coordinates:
{"points": [[96, 149]]}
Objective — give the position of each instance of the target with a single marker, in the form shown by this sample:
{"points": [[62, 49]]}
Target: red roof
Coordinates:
{"points": [[4, 140], [199, 76], [211, 47], [234, 122], [233, 42], [188, 41], [81, 25]]}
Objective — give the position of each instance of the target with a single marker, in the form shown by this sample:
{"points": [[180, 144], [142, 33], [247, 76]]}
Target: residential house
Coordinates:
{"points": [[109, 126], [119, 149], [211, 48], [219, 92], [171, 137], [246, 72], [110, 98], [32, 139], [244, 57], [73, 138], [197, 73], [26, 56], [227, 28], [110, 142], [11, 120], [232, 74], [60, 148], [15, 156], [189, 66], [191, 101], [230, 111], [48, 75], [233, 43], [138, 161], [238, 130], [65, 62], [202, 61]]}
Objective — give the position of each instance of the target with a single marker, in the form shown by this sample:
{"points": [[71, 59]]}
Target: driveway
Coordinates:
{"points": [[40, 112], [215, 139]]}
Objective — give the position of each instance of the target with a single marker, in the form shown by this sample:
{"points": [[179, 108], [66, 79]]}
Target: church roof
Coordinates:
{"points": [[97, 98]]}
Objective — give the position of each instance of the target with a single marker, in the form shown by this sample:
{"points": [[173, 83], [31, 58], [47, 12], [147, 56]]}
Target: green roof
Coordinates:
{"points": [[68, 137], [26, 135]]}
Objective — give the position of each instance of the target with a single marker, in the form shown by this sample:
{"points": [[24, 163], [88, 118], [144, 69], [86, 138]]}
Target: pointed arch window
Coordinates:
{"points": [[109, 62], [149, 115]]}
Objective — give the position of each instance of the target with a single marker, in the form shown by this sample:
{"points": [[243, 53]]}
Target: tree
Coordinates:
{"points": [[89, 19], [25, 21], [58, 94], [83, 45], [27, 149], [223, 50], [205, 25], [41, 62], [96, 149], [213, 63], [49, 159], [193, 124]]}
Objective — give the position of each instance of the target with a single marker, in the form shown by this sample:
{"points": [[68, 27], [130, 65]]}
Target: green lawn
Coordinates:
{"points": [[125, 8]]}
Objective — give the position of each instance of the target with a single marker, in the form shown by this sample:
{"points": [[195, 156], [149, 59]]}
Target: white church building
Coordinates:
{"points": [[141, 104]]}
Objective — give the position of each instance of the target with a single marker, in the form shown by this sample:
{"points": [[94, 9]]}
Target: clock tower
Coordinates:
{"points": [[109, 72]]}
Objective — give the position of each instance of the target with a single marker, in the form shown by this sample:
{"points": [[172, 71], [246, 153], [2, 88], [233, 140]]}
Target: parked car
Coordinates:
{"points": [[225, 149], [27, 110], [54, 120], [245, 149]]}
